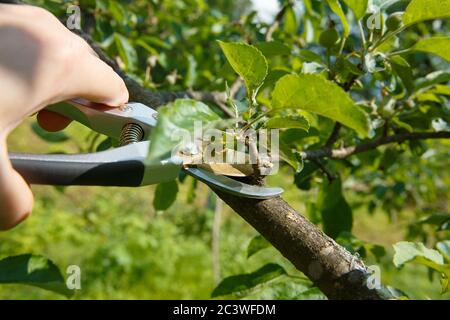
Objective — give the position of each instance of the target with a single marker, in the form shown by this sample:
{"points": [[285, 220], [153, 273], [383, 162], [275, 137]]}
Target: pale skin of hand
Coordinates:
{"points": [[42, 62]]}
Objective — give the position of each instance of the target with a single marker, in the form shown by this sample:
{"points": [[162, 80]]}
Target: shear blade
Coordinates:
{"points": [[232, 186]]}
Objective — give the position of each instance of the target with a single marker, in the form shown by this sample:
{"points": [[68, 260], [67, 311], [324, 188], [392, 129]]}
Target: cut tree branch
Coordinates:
{"points": [[337, 273]]}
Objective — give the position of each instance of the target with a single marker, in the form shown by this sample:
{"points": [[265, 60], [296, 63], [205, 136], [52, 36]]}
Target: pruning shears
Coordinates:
{"points": [[126, 165]]}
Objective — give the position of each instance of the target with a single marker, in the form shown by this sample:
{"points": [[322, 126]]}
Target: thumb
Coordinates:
{"points": [[16, 199]]}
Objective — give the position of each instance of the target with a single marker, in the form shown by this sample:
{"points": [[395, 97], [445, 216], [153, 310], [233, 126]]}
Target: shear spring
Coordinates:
{"points": [[131, 133]]}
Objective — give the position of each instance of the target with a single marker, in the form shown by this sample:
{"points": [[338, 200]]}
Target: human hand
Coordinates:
{"points": [[42, 62]]}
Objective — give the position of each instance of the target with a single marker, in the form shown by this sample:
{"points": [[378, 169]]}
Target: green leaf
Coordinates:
{"points": [[248, 62], [290, 21], [174, 120], [402, 125], [421, 10], [155, 41], [257, 244], [290, 156], [437, 45], [359, 7], [165, 195], [404, 71], [117, 11], [273, 49], [126, 51], [310, 56], [378, 5], [409, 251], [337, 8], [337, 215], [303, 179], [288, 122], [33, 270], [315, 94], [48, 136], [238, 283]]}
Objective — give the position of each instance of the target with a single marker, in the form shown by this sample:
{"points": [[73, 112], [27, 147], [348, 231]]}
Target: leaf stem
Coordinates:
{"points": [[396, 53], [363, 36], [262, 115]]}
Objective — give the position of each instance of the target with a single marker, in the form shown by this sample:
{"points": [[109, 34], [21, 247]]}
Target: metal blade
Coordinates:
{"points": [[232, 186]]}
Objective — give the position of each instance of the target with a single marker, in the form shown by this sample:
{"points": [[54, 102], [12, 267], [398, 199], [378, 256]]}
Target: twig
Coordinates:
{"points": [[218, 98], [343, 153]]}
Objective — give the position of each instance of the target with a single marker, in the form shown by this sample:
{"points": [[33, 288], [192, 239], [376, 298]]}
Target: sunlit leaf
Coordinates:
{"points": [[409, 251], [290, 21], [337, 8], [315, 94], [288, 122], [273, 48], [247, 61], [421, 10], [174, 121], [359, 7], [403, 70], [437, 45], [126, 51]]}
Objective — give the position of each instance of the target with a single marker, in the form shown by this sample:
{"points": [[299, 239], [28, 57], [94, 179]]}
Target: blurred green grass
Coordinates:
{"points": [[126, 250]]}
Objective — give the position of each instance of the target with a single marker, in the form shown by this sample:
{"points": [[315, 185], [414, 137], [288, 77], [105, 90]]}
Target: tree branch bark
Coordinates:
{"points": [[337, 273]]}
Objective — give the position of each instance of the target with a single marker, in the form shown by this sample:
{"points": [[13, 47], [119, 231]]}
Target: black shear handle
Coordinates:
{"points": [[122, 166], [62, 170]]}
